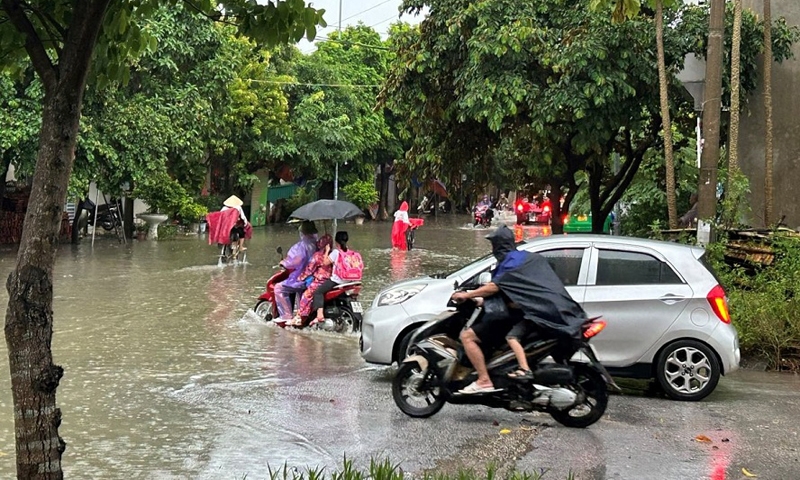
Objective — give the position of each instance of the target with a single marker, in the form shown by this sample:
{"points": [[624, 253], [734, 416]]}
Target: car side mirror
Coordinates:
{"points": [[484, 278], [455, 285]]}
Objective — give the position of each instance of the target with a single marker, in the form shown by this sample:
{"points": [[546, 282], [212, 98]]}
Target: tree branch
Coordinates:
{"points": [[81, 41], [33, 44]]}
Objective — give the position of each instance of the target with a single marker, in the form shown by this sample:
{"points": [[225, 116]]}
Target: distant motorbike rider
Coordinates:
{"points": [[237, 234], [533, 293]]}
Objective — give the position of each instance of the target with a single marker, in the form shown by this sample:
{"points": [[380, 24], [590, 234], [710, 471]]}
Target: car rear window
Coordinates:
{"points": [[616, 267], [707, 264]]}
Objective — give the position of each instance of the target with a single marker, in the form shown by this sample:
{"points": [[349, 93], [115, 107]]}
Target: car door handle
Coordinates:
{"points": [[672, 299]]}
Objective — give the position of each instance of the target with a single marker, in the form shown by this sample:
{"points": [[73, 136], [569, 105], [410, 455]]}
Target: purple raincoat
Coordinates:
{"points": [[298, 258]]}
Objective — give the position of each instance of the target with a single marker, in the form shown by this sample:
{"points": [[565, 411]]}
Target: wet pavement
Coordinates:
{"points": [[169, 376]]}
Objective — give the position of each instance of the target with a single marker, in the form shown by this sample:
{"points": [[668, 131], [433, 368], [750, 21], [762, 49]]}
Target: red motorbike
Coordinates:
{"points": [[343, 311]]}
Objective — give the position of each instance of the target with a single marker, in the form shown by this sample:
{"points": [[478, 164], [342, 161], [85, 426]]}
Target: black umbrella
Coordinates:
{"points": [[327, 210]]}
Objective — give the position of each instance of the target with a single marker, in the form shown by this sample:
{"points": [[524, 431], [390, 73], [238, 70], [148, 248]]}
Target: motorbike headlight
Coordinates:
{"points": [[398, 295]]}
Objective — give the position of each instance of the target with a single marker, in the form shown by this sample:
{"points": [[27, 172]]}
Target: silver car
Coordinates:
{"points": [[667, 314]]}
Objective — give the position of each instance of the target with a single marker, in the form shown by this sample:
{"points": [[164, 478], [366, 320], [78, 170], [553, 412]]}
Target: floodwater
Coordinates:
{"points": [[165, 368]]}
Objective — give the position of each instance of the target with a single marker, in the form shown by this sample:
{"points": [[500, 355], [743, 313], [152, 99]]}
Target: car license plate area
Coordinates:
{"points": [[356, 306]]}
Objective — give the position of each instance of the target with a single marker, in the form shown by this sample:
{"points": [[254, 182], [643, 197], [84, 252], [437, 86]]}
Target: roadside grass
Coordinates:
{"points": [[387, 470]]}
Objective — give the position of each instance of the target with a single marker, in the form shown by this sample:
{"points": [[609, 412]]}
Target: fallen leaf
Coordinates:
{"points": [[505, 431], [715, 447], [495, 423], [702, 439], [748, 474]]}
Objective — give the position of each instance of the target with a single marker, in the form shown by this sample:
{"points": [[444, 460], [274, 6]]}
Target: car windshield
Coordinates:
{"points": [[461, 271]]}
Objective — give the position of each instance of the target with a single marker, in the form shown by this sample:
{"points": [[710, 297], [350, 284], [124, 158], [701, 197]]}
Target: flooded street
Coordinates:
{"points": [[168, 376], [162, 359]]}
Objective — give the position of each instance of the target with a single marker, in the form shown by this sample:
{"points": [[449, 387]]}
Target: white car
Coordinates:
{"points": [[667, 313]]}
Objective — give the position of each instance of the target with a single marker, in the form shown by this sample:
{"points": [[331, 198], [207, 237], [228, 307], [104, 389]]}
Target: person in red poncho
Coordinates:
{"points": [[401, 224]]}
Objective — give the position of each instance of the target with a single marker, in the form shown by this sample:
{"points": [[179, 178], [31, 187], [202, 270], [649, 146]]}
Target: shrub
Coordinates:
{"points": [[300, 197], [362, 193], [765, 301]]}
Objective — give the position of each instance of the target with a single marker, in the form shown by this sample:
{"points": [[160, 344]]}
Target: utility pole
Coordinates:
{"points": [[707, 187], [336, 171]]}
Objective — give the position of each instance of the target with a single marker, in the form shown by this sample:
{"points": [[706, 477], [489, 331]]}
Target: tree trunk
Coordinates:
{"points": [[730, 207], [707, 181], [663, 86], [383, 208], [769, 193], [127, 216], [29, 316]]}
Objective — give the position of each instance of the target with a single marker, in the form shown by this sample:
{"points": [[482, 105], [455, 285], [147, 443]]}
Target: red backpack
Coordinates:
{"points": [[349, 266]]}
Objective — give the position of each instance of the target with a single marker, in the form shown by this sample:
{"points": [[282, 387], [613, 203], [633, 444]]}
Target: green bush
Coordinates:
{"points": [[361, 193], [765, 301], [192, 212], [300, 197], [167, 232]]}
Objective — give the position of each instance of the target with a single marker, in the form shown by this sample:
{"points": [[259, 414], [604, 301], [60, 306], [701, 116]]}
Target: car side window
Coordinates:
{"points": [[615, 267], [566, 262]]}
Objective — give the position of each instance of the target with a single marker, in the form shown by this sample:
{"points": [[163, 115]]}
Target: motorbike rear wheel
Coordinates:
{"points": [[414, 393], [346, 323], [591, 383]]}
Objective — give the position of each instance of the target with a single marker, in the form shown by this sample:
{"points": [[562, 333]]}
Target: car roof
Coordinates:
{"points": [[668, 248]]}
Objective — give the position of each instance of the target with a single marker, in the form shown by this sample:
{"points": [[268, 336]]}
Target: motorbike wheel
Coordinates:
{"points": [[591, 383], [107, 223], [346, 323], [263, 310], [407, 394]]}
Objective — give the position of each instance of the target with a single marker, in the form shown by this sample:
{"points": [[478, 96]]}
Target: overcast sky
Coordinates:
{"points": [[378, 14]]}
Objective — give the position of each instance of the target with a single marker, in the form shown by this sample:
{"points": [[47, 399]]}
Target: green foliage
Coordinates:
{"points": [[162, 193], [765, 302], [362, 193], [549, 88], [387, 470], [167, 232], [191, 212], [300, 197]]}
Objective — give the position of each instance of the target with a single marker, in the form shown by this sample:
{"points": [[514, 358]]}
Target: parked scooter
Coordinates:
{"points": [[343, 311], [108, 214], [436, 368]]}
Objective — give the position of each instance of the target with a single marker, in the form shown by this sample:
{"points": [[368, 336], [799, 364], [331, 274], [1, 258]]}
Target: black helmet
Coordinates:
{"points": [[503, 242]]}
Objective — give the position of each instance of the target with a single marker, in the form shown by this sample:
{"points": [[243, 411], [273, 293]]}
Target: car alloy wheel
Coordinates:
{"points": [[688, 370]]}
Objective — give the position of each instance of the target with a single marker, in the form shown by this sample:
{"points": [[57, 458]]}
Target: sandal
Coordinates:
{"points": [[295, 322], [521, 374], [475, 389]]}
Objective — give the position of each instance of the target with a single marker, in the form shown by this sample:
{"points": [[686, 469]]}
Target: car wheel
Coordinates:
{"points": [[687, 370], [400, 354]]}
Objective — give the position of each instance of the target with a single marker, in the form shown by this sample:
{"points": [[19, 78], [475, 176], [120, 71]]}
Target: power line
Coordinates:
{"points": [[386, 20], [362, 11]]}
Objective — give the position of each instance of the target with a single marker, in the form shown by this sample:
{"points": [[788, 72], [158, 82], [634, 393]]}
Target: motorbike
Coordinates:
{"points": [[108, 214], [343, 311], [483, 216], [575, 394]]}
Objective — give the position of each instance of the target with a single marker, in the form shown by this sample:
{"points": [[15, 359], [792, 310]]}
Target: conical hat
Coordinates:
{"points": [[233, 201]]}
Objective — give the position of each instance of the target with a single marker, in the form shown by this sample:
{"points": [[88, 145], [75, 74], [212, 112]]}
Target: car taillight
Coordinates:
{"points": [[565, 220], [546, 208], [719, 303], [519, 207], [595, 328]]}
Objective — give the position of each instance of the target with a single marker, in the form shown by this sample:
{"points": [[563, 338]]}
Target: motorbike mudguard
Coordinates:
{"points": [[419, 359]]}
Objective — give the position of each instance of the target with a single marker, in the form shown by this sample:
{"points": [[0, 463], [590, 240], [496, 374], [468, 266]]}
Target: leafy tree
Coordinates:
{"points": [[625, 9], [64, 42]]}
